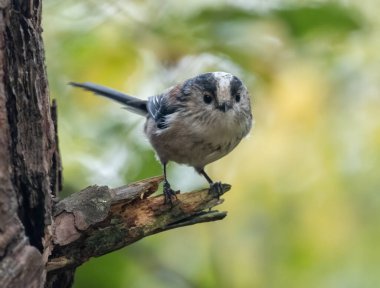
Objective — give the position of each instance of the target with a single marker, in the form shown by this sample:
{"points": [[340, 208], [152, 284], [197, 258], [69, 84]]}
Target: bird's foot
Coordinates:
{"points": [[217, 189], [169, 194]]}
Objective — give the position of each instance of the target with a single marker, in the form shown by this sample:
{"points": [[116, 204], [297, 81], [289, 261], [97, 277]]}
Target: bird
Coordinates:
{"points": [[195, 122]]}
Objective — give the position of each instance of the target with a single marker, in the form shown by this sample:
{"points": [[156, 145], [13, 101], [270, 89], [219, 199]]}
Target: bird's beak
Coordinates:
{"points": [[225, 106]]}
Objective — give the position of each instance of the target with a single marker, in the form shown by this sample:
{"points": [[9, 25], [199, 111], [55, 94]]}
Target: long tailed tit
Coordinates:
{"points": [[195, 122]]}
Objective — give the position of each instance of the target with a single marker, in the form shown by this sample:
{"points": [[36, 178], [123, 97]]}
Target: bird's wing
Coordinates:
{"points": [[159, 109]]}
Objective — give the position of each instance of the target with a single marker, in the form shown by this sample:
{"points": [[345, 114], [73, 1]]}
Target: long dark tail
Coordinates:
{"points": [[133, 104]]}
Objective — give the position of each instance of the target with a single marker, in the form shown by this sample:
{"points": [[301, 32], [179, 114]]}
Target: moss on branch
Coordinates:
{"points": [[99, 220]]}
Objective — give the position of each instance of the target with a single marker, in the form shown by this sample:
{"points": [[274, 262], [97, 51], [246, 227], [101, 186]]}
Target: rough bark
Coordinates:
{"points": [[41, 244], [99, 220], [29, 161]]}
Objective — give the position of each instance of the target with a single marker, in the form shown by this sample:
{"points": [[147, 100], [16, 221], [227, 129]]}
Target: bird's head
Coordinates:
{"points": [[217, 95]]}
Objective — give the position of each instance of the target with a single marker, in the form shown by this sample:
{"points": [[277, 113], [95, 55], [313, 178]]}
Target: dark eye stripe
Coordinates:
{"points": [[235, 86], [206, 82]]}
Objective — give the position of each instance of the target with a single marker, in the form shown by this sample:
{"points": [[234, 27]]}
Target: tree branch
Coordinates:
{"points": [[98, 220]]}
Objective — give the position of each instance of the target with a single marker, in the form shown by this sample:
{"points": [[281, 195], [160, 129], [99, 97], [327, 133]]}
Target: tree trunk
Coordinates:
{"points": [[41, 244], [29, 157]]}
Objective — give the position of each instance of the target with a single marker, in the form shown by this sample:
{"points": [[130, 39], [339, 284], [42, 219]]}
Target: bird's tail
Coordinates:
{"points": [[133, 104]]}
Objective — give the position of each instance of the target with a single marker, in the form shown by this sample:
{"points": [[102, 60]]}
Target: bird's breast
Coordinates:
{"points": [[192, 142]]}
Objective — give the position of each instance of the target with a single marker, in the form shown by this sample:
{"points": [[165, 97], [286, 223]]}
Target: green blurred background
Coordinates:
{"points": [[305, 205]]}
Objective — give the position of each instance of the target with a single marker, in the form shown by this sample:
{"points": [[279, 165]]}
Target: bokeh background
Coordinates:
{"points": [[304, 210]]}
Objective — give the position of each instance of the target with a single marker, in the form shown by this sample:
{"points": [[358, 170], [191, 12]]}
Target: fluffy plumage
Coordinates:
{"points": [[195, 122]]}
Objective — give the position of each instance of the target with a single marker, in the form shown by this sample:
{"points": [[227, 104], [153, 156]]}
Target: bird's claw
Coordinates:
{"points": [[169, 194], [217, 189]]}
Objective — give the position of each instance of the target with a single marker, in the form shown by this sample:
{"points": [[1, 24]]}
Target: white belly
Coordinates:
{"points": [[192, 145]]}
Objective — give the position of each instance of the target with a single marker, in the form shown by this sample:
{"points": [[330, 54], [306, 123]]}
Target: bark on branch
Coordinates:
{"points": [[98, 220]]}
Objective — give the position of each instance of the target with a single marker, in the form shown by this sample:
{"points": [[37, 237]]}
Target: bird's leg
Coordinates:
{"points": [[216, 188], [168, 191]]}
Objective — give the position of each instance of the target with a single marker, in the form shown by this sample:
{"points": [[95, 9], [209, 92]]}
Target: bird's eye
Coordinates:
{"points": [[237, 97], [207, 98]]}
